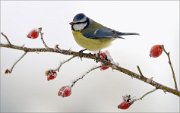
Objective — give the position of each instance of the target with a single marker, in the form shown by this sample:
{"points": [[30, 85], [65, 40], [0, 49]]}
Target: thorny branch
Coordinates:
{"points": [[94, 57]]}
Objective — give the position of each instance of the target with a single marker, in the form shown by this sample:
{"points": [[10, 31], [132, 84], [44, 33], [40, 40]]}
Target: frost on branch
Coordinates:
{"points": [[104, 58]]}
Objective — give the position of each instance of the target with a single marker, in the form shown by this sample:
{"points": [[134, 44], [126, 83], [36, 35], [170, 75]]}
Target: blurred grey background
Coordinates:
{"points": [[27, 88]]}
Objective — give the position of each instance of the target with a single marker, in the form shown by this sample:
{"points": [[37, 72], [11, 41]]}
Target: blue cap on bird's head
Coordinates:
{"points": [[79, 18]]}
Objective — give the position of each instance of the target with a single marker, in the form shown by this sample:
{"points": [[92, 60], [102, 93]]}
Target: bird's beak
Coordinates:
{"points": [[71, 23]]}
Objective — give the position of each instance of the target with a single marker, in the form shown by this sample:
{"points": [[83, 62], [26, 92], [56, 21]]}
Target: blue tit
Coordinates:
{"points": [[92, 35]]}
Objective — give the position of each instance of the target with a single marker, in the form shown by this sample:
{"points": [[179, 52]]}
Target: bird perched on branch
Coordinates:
{"points": [[92, 35]]}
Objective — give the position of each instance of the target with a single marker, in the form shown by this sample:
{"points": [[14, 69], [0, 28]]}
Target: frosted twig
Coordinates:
{"points": [[10, 70], [61, 63], [92, 69], [145, 95], [41, 34]]}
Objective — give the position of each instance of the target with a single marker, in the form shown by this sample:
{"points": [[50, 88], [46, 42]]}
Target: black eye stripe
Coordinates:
{"points": [[81, 22]]}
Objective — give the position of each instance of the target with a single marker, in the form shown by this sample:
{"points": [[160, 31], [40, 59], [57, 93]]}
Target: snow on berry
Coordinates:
{"points": [[64, 91]]}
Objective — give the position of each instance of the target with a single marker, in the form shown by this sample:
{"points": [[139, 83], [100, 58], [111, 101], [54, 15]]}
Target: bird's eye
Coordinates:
{"points": [[79, 16]]}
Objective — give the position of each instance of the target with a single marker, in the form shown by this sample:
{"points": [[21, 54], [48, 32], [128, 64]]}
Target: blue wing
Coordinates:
{"points": [[102, 33], [105, 32]]}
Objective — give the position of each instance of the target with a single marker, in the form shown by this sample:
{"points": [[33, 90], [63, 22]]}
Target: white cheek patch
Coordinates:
{"points": [[79, 27]]}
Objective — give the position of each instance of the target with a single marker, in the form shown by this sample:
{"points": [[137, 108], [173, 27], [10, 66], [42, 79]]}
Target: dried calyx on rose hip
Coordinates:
{"points": [[64, 91], [34, 33], [7, 71], [51, 74], [156, 51]]}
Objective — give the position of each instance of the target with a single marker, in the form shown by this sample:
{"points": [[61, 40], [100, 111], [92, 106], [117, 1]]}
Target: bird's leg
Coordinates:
{"points": [[81, 53]]}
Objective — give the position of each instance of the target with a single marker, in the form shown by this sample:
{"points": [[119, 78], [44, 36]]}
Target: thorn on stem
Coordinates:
{"points": [[140, 72], [57, 47]]}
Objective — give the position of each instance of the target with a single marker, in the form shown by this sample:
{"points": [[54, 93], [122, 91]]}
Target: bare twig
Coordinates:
{"points": [[94, 57], [145, 94], [170, 64], [92, 69], [41, 33], [10, 70], [61, 63], [140, 72], [6, 38]]}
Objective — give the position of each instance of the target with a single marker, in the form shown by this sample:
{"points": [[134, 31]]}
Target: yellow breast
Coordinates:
{"points": [[91, 44]]}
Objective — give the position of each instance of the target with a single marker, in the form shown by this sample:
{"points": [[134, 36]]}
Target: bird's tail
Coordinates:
{"points": [[121, 33]]}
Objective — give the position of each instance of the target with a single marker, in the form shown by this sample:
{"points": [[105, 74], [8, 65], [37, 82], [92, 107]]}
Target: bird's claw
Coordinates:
{"points": [[81, 53]]}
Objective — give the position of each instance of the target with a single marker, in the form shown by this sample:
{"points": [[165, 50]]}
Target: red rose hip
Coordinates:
{"points": [[156, 51], [33, 34], [64, 91], [104, 67], [124, 105], [102, 55]]}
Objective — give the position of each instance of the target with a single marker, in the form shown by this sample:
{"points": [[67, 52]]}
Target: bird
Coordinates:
{"points": [[92, 35]]}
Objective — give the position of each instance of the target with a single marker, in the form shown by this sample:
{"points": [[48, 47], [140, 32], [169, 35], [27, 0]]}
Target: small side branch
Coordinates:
{"points": [[41, 33], [92, 69], [140, 72], [6, 38], [170, 64], [58, 68], [145, 94], [10, 70]]}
